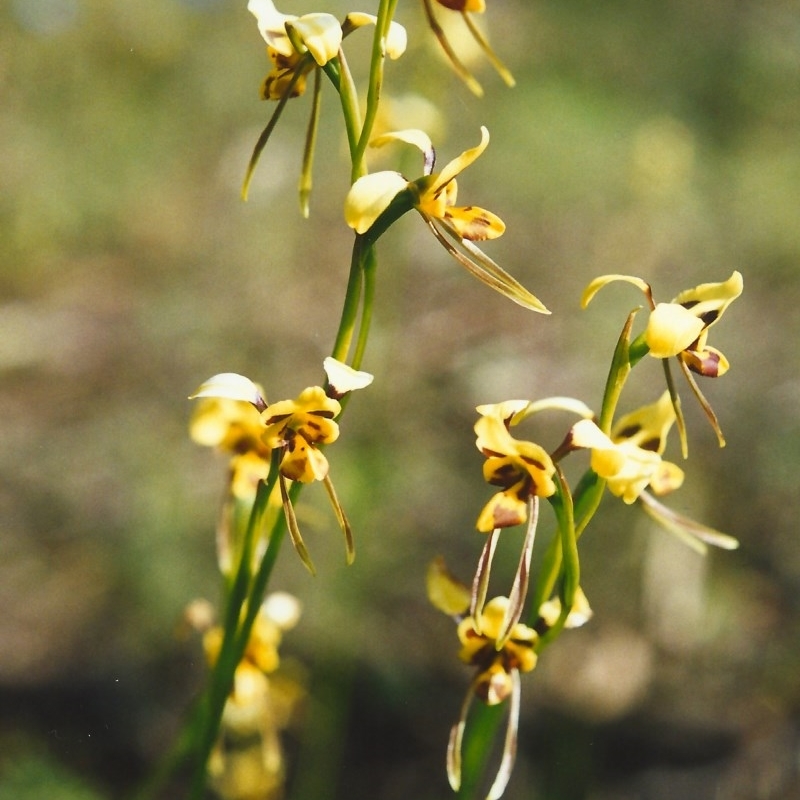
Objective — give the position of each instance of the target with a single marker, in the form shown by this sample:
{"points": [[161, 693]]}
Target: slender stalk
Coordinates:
{"points": [[352, 300], [377, 62]]}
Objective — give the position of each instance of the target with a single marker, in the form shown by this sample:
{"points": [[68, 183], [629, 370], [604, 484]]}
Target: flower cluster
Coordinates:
{"points": [[235, 416], [277, 448], [248, 760], [626, 457]]}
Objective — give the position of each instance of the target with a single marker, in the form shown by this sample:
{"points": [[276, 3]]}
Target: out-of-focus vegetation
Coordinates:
{"points": [[660, 139]]}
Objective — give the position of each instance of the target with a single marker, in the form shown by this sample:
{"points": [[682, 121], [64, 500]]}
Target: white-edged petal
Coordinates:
{"points": [[232, 386], [343, 378]]}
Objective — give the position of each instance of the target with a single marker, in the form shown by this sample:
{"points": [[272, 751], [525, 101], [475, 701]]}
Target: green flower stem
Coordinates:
{"points": [[339, 73], [236, 632], [369, 269], [352, 301], [617, 375], [377, 62], [563, 506], [310, 146]]}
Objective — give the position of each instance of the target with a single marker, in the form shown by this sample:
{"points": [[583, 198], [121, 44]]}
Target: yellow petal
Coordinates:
{"points": [[598, 283], [396, 37], [709, 300], [667, 478], [272, 25], [507, 411], [370, 196], [474, 223], [648, 426], [320, 33], [445, 591], [586, 433], [504, 510], [458, 165], [414, 136], [303, 462], [671, 328], [708, 361]]}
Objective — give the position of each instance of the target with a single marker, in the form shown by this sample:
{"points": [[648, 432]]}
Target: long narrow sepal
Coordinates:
{"points": [[349, 544], [680, 420], [304, 187], [480, 39], [510, 742], [480, 583], [519, 591], [261, 143], [484, 268], [689, 531], [458, 67], [294, 530], [704, 404], [455, 742]]}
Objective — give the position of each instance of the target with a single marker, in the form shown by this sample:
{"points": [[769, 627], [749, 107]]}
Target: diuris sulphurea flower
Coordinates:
{"points": [[291, 433], [296, 45], [680, 329], [498, 660], [434, 196]]}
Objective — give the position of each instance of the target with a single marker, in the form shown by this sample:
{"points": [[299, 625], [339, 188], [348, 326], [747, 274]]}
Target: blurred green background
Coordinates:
{"points": [[655, 138]]}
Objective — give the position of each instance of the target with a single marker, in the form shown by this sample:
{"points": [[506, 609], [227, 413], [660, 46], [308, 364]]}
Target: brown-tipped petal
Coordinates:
{"points": [[350, 548], [480, 584], [704, 404], [510, 742], [519, 591], [294, 530]]}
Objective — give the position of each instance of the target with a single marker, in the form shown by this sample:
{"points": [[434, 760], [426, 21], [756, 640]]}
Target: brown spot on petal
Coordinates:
{"points": [[629, 432], [505, 517]]}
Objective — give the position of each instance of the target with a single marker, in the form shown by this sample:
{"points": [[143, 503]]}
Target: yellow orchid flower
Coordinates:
{"points": [[670, 331], [499, 657], [259, 705], [627, 467], [293, 428], [466, 8], [579, 614], [680, 327], [478, 648], [523, 469], [320, 34], [434, 195]]}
